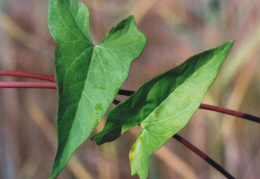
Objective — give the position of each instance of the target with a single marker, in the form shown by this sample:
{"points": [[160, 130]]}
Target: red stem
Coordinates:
{"points": [[230, 112], [129, 93], [27, 85], [202, 155], [27, 75], [210, 107]]}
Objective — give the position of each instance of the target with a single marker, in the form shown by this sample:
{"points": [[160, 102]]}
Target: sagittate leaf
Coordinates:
{"points": [[88, 77], [163, 106]]}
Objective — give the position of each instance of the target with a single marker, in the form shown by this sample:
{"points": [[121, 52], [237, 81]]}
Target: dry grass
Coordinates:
{"points": [[176, 30]]}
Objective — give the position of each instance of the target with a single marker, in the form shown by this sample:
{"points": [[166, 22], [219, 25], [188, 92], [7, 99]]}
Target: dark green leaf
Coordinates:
{"points": [[163, 106], [88, 77]]}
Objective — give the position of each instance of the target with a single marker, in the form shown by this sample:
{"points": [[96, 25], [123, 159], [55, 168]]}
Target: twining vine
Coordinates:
{"points": [[88, 77], [124, 92]]}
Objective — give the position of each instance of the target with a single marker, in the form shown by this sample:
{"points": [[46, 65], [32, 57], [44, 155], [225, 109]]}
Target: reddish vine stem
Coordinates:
{"points": [[197, 151], [230, 112], [27, 75], [211, 108], [121, 91], [129, 93], [202, 155], [27, 85]]}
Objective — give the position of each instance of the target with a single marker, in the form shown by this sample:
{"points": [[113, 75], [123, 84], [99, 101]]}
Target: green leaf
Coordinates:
{"points": [[163, 106], [88, 77]]}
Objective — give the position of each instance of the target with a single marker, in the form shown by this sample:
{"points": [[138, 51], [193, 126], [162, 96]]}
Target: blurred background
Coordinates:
{"points": [[176, 30]]}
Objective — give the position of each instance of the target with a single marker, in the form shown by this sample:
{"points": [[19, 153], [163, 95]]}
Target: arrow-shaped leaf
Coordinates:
{"points": [[163, 106], [88, 77]]}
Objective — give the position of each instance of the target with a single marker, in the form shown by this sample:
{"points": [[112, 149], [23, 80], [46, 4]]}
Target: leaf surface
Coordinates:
{"points": [[163, 106], [88, 77]]}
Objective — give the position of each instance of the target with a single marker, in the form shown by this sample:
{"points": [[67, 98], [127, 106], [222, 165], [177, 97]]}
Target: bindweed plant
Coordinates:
{"points": [[88, 77]]}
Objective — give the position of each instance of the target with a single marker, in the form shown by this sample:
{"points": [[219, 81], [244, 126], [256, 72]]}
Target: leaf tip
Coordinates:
{"points": [[229, 44]]}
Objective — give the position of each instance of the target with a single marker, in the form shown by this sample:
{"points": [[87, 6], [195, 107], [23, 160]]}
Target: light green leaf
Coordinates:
{"points": [[163, 106], [88, 77]]}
